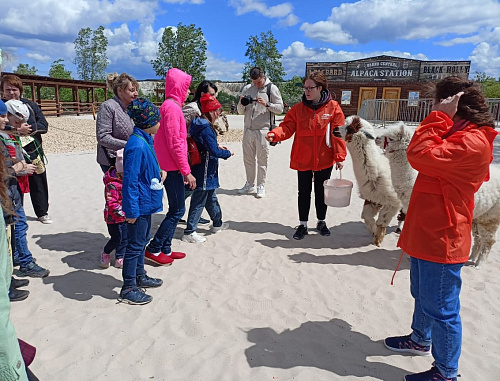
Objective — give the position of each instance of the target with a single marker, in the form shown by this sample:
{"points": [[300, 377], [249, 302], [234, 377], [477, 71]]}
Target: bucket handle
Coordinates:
{"points": [[340, 171]]}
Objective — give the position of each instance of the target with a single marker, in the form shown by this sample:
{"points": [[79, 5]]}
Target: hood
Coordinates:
{"points": [[110, 175], [177, 85], [197, 125]]}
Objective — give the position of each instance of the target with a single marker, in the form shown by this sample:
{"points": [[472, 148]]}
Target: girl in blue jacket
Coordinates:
{"points": [[207, 172]]}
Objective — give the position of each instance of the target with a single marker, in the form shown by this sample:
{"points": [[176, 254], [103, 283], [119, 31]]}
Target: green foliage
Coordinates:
{"points": [[25, 69], [491, 86], [264, 54], [291, 91], [225, 99], [90, 49], [184, 48], [58, 70]]}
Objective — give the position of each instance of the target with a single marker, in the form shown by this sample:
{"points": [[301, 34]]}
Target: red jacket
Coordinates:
{"points": [[309, 150], [439, 219]]}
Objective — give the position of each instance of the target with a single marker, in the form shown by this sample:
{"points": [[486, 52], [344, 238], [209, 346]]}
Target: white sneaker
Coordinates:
{"points": [[224, 226], [193, 238], [45, 219], [261, 192], [247, 189]]}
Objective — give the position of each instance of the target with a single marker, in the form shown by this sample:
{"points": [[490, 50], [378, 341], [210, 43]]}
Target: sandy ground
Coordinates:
{"points": [[250, 303]]}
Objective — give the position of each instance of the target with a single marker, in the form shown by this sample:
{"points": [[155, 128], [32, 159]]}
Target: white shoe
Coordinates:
{"points": [[261, 192], [193, 238], [247, 189], [45, 219], [224, 226]]}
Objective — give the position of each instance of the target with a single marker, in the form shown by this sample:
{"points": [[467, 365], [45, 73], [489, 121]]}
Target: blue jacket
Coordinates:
{"points": [[206, 173], [142, 188]]}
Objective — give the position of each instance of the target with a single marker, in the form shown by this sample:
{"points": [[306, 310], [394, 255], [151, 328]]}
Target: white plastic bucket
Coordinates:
{"points": [[338, 192]]}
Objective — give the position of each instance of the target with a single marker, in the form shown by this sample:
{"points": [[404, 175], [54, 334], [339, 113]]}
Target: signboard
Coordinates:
{"points": [[334, 71], [436, 70], [382, 68]]}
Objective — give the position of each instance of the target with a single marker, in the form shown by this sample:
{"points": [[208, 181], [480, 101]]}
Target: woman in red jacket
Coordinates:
{"points": [[451, 150], [314, 150]]}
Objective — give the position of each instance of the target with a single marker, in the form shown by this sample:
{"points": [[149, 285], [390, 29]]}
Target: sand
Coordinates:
{"points": [[250, 303]]}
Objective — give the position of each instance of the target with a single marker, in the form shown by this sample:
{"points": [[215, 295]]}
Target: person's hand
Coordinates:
{"points": [[30, 168], [339, 165], [261, 101], [190, 180], [131, 220], [270, 137], [25, 129], [232, 153], [163, 175], [449, 105]]}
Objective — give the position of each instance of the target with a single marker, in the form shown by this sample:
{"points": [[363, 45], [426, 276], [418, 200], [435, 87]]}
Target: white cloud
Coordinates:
{"points": [[485, 59], [288, 21], [283, 11], [184, 1], [219, 68], [372, 20], [39, 57]]}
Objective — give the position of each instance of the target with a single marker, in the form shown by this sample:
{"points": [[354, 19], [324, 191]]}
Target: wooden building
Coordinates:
{"points": [[384, 77], [84, 95]]}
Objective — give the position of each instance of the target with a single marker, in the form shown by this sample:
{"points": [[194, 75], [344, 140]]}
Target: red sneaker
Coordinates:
{"points": [[175, 255], [161, 259]]}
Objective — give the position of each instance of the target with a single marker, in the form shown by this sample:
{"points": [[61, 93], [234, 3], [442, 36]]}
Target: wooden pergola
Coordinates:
{"points": [[55, 106]]}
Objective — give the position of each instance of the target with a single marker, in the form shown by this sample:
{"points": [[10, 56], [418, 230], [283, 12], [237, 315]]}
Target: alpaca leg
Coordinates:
{"points": [[401, 221], [474, 254], [487, 231], [379, 235], [368, 214]]}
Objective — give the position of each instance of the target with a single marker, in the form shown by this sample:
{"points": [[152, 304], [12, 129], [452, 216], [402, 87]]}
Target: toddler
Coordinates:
{"points": [[114, 215]]}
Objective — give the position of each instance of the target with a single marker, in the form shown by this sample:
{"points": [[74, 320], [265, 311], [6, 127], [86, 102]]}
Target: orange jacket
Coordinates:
{"points": [[439, 219], [309, 150]]}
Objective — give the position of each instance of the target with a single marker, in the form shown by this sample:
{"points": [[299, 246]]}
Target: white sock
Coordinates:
{"points": [[303, 223]]}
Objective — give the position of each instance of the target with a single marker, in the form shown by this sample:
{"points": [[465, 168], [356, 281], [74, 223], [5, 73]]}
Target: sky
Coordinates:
{"points": [[39, 32]]}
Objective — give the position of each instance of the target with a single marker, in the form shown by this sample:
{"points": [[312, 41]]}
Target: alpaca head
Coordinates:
{"points": [[395, 137], [356, 127]]}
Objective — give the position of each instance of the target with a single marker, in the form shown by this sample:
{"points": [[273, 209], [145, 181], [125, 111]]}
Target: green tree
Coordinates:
{"points": [[25, 69], [490, 85], [184, 48], [291, 91], [91, 60], [58, 70], [262, 52]]}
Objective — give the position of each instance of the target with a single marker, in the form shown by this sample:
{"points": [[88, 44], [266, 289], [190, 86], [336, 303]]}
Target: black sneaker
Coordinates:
{"points": [[300, 232], [431, 375], [17, 295], [203, 221], [147, 282], [322, 228], [17, 283], [32, 270], [405, 344], [134, 295]]}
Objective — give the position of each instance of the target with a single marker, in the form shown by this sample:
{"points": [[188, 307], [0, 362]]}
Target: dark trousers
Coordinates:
{"points": [[118, 240], [39, 193], [305, 181]]}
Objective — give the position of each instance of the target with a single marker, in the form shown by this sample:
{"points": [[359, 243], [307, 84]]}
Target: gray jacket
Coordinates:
{"points": [[113, 128], [256, 115]]}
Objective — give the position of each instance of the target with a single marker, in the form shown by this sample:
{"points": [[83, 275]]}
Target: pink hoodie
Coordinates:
{"points": [[170, 140]]}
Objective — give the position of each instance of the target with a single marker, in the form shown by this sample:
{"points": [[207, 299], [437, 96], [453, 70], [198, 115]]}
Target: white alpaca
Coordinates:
{"points": [[373, 175], [394, 140], [486, 217]]}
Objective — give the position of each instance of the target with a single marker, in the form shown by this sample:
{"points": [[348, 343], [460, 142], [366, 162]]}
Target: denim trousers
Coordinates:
{"points": [[174, 186], [138, 235], [436, 318], [199, 200], [305, 184], [118, 240], [22, 252]]}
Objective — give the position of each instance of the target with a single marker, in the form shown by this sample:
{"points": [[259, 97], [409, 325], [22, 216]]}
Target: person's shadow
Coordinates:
{"points": [[329, 345], [82, 285], [87, 245]]}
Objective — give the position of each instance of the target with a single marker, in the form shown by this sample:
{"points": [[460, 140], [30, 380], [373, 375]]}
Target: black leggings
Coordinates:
{"points": [[305, 180]]}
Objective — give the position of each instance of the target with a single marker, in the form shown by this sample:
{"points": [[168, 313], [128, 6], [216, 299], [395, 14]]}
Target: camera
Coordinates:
{"points": [[271, 127], [247, 99]]}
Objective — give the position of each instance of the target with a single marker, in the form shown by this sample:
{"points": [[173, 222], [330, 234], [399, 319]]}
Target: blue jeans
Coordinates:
{"points": [[118, 240], [174, 186], [436, 318], [22, 252], [199, 200], [138, 235]]}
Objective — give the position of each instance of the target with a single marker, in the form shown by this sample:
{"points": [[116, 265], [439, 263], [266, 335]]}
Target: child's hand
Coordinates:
{"points": [[163, 175], [131, 220]]}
